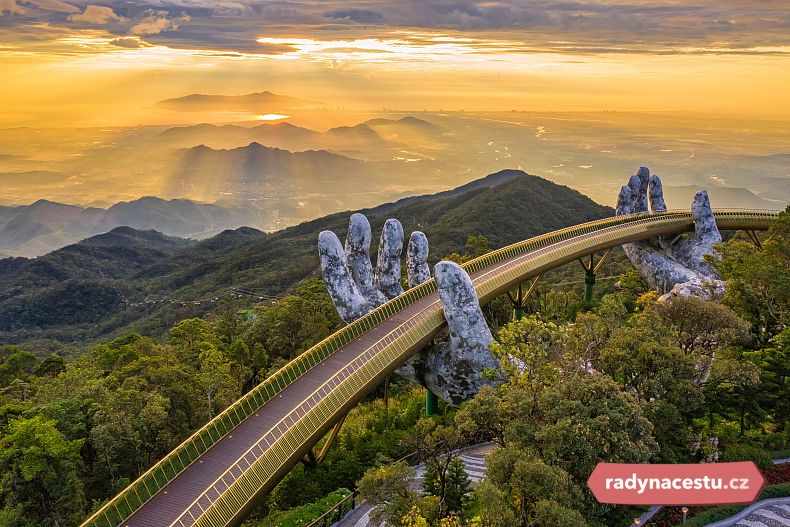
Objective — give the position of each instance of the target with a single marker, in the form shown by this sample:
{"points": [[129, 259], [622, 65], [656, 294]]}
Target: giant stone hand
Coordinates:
{"points": [[453, 370], [674, 266]]}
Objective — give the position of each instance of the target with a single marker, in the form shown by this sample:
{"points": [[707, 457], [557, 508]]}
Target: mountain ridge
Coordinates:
{"points": [[44, 225], [253, 102], [155, 290]]}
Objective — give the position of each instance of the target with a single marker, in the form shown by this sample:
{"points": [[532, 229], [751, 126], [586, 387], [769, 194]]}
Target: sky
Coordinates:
{"points": [[74, 63]]}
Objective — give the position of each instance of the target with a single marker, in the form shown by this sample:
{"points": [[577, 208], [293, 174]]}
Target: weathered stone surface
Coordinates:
{"points": [[345, 294], [673, 267], [656, 190], [417, 259], [453, 370], [388, 262], [706, 234], [358, 258]]}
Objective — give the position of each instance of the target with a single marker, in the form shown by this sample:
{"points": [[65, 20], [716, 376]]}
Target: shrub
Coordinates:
{"points": [[743, 452], [304, 514]]}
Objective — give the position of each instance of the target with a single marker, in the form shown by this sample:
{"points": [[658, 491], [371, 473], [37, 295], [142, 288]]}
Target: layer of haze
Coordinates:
{"points": [[309, 108], [74, 63]]}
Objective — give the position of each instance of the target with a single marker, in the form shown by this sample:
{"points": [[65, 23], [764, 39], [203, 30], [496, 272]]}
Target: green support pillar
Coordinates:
{"points": [[431, 403], [519, 300], [590, 268], [589, 283]]}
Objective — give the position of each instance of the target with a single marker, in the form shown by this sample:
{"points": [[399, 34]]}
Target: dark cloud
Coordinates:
{"points": [[361, 16], [598, 26]]}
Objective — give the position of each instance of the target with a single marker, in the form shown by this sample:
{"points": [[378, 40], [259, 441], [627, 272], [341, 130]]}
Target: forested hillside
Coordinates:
{"points": [[75, 430], [81, 298]]}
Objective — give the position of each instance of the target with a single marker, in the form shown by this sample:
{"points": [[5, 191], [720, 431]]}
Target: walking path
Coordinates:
{"points": [[474, 462], [767, 513]]}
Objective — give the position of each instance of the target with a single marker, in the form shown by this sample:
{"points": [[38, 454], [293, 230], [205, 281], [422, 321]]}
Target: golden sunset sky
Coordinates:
{"points": [[68, 63]]}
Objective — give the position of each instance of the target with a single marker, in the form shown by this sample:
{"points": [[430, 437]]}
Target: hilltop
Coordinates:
{"points": [[151, 294], [44, 226]]}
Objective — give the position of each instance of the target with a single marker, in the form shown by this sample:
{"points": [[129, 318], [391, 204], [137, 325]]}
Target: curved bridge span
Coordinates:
{"points": [[214, 477]]}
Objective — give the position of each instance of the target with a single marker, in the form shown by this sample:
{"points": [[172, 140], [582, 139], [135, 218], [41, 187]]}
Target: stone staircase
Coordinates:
{"points": [[474, 462]]}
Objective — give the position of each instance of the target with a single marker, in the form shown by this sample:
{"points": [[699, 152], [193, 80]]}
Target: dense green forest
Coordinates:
{"points": [[627, 380], [623, 378], [143, 282]]}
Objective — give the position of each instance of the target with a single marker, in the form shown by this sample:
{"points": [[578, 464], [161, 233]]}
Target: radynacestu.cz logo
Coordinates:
{"points": [[697, 484]]}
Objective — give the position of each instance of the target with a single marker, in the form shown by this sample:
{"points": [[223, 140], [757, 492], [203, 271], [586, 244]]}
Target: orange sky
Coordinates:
{"points": [[73, 63]]}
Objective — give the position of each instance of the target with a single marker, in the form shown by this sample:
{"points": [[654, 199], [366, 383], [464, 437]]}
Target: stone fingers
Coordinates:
{"points": [[624, 201], [345, 294], [357, 251], [388, 264], [641, 196], [657, 203], [705, 229], [706, 234], [417, 259], [468, 327]]}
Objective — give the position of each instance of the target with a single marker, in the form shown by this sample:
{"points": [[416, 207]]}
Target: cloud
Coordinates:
{"points": [[156, 21], [726, 27], [361, 16], [54, 5], [129, 43], [96, 14], [11, 7]]}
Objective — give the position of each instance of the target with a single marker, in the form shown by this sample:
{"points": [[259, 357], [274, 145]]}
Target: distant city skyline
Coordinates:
{"points": [[75, 63]]}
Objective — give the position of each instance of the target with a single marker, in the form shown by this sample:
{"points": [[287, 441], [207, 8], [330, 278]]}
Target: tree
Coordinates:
{"points": [[733, 385], [758, 284], [130, 431], [296, 322], [458, 486], [40, 473], [437, 446], [529, 351], [190, 338], [549, 514], [388, 489], [483, 416], [700, 328], [587, 418], [216, 380], [650, 368], [774, 364], [524, 491], [661, 377], [475, 246], [17, 365]]}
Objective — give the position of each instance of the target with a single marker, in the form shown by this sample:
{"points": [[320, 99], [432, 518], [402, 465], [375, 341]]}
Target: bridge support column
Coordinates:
{"points": [[755, 239], [519, 300], [431, 403], [591, 268], [313, 458], [589, 285]]}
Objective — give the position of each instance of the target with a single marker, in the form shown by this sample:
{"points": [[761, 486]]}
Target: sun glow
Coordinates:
{"points": [[271, 117]]}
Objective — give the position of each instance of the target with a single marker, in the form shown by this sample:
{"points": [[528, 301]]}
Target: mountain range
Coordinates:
{"points": [[36, 229], [260, 102], [130, 280], [370, 133], [260, 171], [679, 197]]}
